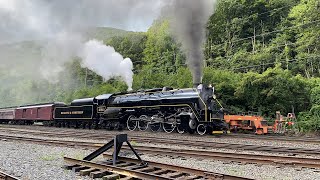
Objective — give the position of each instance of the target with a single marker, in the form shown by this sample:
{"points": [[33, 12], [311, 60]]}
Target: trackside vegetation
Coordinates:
{"points": [[260, 55]]}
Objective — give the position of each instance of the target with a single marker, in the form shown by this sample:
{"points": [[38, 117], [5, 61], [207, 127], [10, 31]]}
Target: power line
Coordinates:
{"points": [[243, 67], [271, 47], [239, 39], [272, 10], [227, 57], [272, 63], [249, 37], [254, 36], [268, 33]]}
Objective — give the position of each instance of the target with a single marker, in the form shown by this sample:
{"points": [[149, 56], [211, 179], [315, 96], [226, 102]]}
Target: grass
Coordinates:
{"points": [[133, 143], [79, 155], [62, 154]]}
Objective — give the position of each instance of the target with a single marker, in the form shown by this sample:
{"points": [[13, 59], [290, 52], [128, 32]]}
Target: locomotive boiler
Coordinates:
{"points": [[183, 110]]}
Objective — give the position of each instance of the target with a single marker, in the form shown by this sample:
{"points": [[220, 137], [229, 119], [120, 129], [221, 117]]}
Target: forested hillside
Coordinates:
{"points": [[261, 55]]}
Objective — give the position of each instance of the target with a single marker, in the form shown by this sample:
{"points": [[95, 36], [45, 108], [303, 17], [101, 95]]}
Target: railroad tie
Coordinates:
{"points": [[174, 174], [78, 168], [105, 162], [214, 175], [127, 164], [147, 169], [130, 166], [161, 171], [98, 174], [111, 177], [69, 167], [127, 178], [135, 167], [86, 172], [189, 177]]}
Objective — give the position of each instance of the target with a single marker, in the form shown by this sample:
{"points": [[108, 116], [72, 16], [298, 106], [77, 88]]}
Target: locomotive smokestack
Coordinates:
{"points": [[196, 84]]}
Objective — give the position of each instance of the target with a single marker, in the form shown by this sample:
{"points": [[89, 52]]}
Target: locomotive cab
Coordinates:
{"points": [[212, 116]]}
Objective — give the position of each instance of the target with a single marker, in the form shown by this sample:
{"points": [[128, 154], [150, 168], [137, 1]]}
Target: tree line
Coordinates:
{"points": [[260, 55]]}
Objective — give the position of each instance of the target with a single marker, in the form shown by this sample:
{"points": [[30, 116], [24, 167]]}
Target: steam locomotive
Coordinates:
{"points": [[184, 110]]}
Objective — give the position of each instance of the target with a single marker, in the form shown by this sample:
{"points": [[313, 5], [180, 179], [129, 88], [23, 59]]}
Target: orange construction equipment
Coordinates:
{"points": [[248, 122], [282, 124], [253, 122]]}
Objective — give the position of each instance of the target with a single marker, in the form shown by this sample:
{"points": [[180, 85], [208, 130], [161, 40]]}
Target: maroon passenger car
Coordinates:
{"points": [[6, 114], [37, 112]]}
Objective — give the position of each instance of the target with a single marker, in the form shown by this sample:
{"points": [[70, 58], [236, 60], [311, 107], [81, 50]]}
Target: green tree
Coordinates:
{"points": [[306, 17], [275, 89], [161, 51], [131, 45]]}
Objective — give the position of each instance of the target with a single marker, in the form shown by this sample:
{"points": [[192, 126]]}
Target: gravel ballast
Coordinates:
{"points": [[177, 146], [263, 172], [187, 137], [34, 161]]}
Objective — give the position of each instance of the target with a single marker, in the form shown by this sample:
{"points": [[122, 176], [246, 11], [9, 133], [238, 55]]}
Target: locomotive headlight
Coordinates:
{"points": [[214, 96]]}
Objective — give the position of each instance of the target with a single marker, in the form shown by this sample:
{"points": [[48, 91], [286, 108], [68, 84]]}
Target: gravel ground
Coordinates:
{"points": [[229, 150], [224, 139], [33, 161], [48, 159], [264, 172], [167, 146]]}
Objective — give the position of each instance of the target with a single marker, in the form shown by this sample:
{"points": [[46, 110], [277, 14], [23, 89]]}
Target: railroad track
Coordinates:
{"points": [[128, 168], [5, 176], [239, 136], [214, 155], [277, 138], [174, 141]]}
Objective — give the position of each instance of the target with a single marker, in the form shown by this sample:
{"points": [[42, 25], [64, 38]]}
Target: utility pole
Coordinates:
{"points": [[254, 39], [86, 77]]}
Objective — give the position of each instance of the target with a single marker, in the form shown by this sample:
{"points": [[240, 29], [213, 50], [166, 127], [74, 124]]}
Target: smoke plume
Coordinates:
{"points": [[106, 62], [188, 21], [42, 35], [37, 37]]}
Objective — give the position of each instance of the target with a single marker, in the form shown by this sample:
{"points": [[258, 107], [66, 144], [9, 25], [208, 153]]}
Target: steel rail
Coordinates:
{"points": [[173, 141], [5, 176], [220, 145], [238, 136], [276, 138], [239, 157], [134, 173], [115, 169], [179, 168]]}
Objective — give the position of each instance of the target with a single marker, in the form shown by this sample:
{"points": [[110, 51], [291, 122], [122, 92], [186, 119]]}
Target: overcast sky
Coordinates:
{"points": [[36, 19]]}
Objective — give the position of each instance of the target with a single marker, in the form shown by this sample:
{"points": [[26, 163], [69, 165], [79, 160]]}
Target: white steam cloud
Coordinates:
{"points": [[57, 29], [106, 62], [63, 48]]}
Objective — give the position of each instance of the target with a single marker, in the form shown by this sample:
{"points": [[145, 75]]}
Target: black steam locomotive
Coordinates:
{"points": [[184, 110]]}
